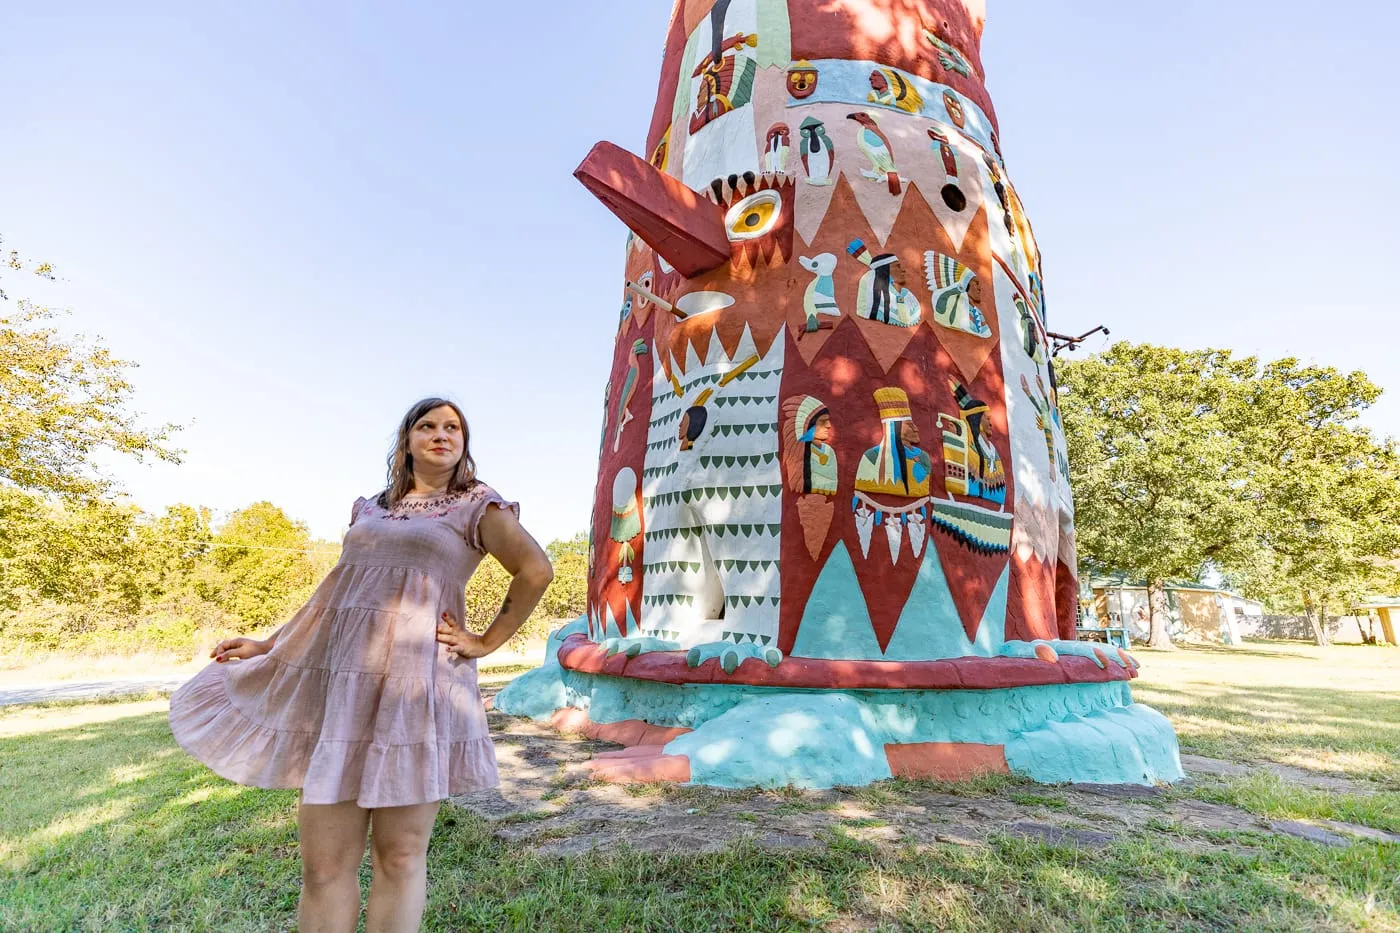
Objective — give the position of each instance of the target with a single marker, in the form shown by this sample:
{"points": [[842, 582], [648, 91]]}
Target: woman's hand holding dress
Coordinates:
{"points": [[240, 649]]}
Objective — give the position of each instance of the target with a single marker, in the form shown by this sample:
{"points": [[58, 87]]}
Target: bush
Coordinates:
{"points": [[105, 578], [565, 599]]}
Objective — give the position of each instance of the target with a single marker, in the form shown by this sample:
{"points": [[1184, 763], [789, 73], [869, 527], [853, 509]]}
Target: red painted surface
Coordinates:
{"points": [[838, 366], [579, 654], [1066, 601], [641, 767], [1030, 603], [630, 732], [890, 32], [946, 761], [685, 228]]}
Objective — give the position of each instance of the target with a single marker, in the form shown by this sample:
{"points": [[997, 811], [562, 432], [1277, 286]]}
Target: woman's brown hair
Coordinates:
{"points": [[401, 460]]}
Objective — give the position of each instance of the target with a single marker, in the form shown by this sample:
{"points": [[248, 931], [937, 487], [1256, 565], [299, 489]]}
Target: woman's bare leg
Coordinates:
{"points": [[332, 846], [398, 845]]}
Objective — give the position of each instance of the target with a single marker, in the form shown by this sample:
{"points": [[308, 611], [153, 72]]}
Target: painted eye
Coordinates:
{"points": [[754, 216], [645, 280]]}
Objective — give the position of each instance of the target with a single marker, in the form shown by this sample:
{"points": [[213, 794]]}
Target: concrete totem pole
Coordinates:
{"points": [[833, 536]]}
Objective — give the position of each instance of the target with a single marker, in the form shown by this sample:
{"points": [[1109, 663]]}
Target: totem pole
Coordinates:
{"points": [[833, 535]]}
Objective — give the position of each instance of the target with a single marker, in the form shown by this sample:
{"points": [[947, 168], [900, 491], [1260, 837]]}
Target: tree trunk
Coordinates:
{"points": [[1158, 624], [1368, 632], [1317, 620]]}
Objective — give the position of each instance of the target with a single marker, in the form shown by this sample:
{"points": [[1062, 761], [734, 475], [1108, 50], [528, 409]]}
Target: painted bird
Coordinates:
{"points": [[775, 153], [876, 147], [629, 389], [818, 154]]}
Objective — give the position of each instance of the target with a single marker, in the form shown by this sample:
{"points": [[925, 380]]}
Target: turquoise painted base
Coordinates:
{"points": [[762, 736]]}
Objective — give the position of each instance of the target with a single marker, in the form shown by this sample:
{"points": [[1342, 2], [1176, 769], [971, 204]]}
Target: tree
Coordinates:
{"points": [[567, 596], [486, 591], [1325, 489], [266, 563], [62, 401], [1186, 459], [1153, 466], [177, 548]]}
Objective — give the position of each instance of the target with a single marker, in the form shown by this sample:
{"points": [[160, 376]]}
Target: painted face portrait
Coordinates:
{"points": [[802, 80], [909, 433]]}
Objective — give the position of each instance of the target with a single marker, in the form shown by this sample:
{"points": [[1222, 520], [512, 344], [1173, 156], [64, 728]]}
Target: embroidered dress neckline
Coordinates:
{"points": [[437, 504], [419, 497]]}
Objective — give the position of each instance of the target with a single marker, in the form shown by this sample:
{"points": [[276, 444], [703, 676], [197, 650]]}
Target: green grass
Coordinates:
{"points": [[1036, 800], [1330, 710], [105, 824], [1268, 795]]}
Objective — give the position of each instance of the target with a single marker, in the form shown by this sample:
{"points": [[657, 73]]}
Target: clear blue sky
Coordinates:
{"points": [[299, 218]]}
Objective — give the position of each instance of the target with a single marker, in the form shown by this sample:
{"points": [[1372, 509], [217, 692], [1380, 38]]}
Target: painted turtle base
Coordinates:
{"points": [[735, 735]]}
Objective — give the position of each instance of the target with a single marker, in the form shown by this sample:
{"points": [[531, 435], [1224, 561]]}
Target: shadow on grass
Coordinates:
{"points": [[1327, 730], [1369, 713], [111, 826], [1259, 650]]}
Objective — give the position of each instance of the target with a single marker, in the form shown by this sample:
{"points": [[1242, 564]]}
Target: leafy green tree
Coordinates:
{"points": [[266, 565], [1325, 489], [1155, 469], [23, 520], [486, 591], [62, 402], [567, 596], [177, 549], [69, 571], [1187, 459]]}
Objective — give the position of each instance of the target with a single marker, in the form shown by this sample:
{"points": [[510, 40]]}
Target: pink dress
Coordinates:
{"points": [[357, 700]]}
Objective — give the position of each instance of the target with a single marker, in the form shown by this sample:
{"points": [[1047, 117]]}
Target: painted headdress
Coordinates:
{"points": [[893, 404], [861, 252], [967, 404], [946, 272], [808, 413]]}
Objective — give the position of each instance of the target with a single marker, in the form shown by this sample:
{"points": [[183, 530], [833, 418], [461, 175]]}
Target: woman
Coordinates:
{"points": [[353, 701]]}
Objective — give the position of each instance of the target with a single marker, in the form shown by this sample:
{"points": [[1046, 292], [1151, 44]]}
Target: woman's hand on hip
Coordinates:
{"points": [[459, 641], [239, 649]]}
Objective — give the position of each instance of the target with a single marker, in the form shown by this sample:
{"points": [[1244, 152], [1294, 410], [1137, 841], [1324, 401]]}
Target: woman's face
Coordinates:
{"points": [[436, 440]]}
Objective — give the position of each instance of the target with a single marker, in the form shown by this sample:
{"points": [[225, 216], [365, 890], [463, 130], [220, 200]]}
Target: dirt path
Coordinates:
{"points": [[548, 802]]}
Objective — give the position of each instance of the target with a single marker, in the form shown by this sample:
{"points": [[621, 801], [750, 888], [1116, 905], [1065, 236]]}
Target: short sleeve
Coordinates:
{"points": [[356, 509], [483, 497]]}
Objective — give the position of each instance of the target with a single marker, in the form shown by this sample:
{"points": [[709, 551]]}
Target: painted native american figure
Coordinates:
{"points": [[827, 478]]}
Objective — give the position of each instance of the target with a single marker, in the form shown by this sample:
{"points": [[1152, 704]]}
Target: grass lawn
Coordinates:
{"points": [[1322, 711], [105, 824], [1334, 710]]}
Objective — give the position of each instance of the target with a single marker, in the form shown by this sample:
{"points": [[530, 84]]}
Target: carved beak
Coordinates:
{"points": [[684, 228]]}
